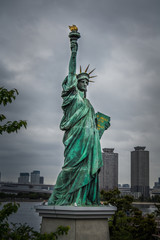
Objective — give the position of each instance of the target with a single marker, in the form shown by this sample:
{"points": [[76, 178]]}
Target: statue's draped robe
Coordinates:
{"points": [[77, 183]]}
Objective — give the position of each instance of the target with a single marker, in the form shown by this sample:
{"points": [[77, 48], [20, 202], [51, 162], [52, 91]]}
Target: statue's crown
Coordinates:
{"points": [[85, 75]]}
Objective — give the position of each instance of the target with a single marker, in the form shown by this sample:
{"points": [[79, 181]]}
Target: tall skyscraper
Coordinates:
{"points": [[108, 176], [140, 172], [41, 180], [23, 178], [35, 177]]}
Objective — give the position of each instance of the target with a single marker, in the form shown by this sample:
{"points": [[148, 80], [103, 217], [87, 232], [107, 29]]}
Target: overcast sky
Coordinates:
{"points": [[120, 38]]}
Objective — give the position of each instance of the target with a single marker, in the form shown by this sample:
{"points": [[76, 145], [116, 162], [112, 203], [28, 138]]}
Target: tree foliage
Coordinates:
{"points": [[7, 96], [20, 231], [128, 223], [157, 212]]}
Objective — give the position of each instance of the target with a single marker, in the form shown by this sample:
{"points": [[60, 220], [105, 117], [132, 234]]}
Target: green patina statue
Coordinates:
{"points": [[77, 183]]}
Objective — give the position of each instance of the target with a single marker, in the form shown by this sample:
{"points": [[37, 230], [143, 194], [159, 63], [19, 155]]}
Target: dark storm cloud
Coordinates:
{"points": [[120, 38], [5, 74]]}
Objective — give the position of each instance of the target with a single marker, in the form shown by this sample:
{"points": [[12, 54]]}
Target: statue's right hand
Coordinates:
{"points": [[74, 46]]}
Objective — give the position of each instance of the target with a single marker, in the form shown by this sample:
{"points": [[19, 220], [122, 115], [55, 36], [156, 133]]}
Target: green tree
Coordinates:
{"points": [[23, 231], [5, 98], [18, 231], [128, 223], [157, 211]]}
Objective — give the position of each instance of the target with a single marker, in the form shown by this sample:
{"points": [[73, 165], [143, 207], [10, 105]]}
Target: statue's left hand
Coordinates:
{"points": [[107, 125]]}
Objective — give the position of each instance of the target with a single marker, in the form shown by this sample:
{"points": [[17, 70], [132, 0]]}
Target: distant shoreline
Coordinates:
{"points": [[42, 200], [21, 200], [146, 203]]}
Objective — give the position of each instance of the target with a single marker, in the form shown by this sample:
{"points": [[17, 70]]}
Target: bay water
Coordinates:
{"points": [[27, 213]]}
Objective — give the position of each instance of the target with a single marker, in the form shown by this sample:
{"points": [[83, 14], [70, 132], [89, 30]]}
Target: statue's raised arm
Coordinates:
{"points": [[74, 35]]}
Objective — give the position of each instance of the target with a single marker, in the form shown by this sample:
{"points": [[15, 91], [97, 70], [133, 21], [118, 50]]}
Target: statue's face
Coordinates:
{"points": [[82, 85]]}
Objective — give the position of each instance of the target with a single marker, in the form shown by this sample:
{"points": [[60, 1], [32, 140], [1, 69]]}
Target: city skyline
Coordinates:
{"points": [[105, 150], [118, 38]]}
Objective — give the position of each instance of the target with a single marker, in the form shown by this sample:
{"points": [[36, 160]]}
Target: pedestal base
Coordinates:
{"points": [[86, 223]]}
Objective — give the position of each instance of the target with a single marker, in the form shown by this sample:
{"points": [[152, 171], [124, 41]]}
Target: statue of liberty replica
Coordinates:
{"points": [[77, 183]]}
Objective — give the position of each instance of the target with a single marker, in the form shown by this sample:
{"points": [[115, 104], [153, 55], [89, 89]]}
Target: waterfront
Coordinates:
{"points": [[146, 208], [27, 214]]}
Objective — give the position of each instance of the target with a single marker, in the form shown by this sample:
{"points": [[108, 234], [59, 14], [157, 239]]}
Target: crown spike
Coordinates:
{"points": [[91, 71], [80, 69], [87, 68], [91, 81], [93, 76]]}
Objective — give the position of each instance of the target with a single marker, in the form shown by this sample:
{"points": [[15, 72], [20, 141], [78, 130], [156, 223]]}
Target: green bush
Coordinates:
{"points": [[23, 231], [128, 223]]}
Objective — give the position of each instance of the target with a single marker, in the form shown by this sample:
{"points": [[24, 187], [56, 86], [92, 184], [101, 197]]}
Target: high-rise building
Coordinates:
{"points": [[108, 176], [35, 177], [41, 180], [23, 178], [140, 172], [157, 184]]}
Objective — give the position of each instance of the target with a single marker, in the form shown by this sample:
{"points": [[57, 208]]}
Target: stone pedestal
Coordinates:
{"points": [[86, 223]]}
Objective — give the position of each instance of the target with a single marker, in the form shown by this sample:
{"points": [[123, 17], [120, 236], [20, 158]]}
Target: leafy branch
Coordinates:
{"points": [[7, 96], [18, 231]]}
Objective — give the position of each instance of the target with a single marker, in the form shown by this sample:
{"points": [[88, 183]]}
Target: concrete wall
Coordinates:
{"points": [[80, 229]]}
